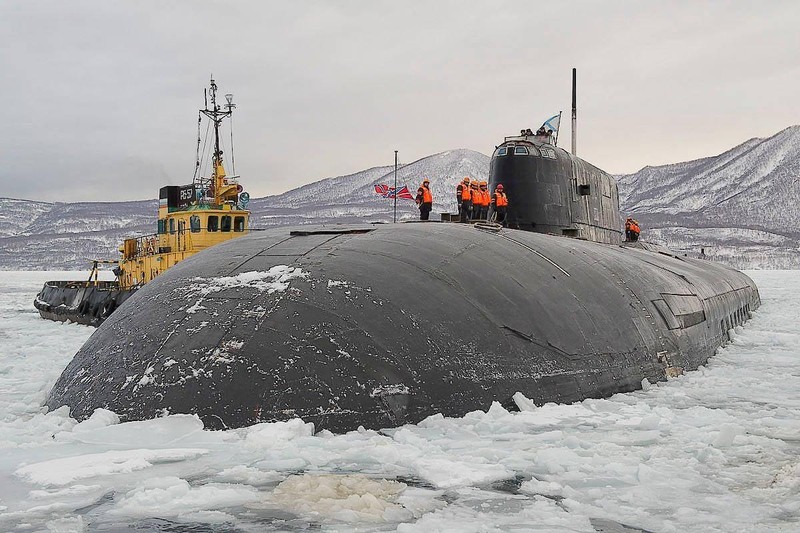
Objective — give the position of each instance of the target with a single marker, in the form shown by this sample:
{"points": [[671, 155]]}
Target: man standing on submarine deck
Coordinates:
{"points": [[475, 200], [485, 200], [464, 199], [424, 199], [500, 204], [632, 230]]}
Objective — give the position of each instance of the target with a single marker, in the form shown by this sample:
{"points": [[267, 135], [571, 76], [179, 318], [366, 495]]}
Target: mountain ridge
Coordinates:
{"points": [[714, 201]]}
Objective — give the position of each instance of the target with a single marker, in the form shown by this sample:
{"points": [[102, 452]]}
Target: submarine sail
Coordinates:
{"points": [[554, 192]]}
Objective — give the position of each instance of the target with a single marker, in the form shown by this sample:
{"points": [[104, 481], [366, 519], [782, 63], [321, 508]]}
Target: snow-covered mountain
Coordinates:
{"points": [[16, 216], [742, 206]]}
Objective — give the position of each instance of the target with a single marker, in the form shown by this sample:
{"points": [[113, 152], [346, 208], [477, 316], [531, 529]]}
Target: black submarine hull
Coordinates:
{"points": [[84, 302], [383, 325]]}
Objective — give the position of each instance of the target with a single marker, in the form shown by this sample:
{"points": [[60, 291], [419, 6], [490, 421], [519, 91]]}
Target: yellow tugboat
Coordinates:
{"points": [[191, 218]]}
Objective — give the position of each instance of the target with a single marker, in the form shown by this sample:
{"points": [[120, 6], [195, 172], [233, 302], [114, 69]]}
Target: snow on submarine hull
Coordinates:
{"points": [[381, 325]]}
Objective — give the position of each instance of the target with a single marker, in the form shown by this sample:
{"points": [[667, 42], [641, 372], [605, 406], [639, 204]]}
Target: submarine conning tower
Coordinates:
{"points": [[552, 191]]}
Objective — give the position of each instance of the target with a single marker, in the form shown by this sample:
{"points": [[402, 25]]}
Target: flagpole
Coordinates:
{"points": [[559, 126], [395, 186]]}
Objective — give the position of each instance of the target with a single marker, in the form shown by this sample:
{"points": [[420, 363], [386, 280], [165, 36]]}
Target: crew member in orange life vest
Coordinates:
{"points": [[631, 230], [635, 230], [424, 199], [464, 199], [476, 199], [500, 203], [484, 197]]}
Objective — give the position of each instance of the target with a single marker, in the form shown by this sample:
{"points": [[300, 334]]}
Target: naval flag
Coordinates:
{"points": [[552, 123], [388, 192]]}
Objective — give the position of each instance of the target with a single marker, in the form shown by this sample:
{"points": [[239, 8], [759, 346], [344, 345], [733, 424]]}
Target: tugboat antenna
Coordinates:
{"points": [[216, 115], [216, 118], [197, 162], [230, 105]]}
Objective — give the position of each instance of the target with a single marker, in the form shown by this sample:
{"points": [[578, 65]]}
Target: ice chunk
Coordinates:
{"points": [[158, 433], [68, 469], [545, 488], [523, 403], [726, 435], [175, 497], [270, 434]]}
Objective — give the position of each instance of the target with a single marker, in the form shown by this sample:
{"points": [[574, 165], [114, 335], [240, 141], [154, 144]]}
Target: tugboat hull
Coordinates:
{"points": [[84, 302], [379, 326]]}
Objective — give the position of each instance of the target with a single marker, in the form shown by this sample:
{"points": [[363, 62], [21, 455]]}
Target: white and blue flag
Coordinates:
{"points": [[552, 123]]}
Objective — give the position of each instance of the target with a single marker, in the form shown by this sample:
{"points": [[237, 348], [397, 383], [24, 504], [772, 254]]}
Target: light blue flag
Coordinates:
{"points": [[552, 123]]}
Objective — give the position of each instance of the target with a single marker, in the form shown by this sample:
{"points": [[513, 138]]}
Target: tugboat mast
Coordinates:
{"points": [[216, 115]]}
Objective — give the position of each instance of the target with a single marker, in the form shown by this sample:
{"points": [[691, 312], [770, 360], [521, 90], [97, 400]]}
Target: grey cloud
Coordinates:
{"points": [[101, 98]]}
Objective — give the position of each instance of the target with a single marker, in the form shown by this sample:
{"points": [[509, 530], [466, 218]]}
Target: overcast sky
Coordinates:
{"points": [[100, 98]]}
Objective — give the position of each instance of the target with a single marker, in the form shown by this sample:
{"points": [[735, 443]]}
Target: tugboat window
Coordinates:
{"points": [[501, 151], [162, 227], [171, 226], [520, 150], [226, 223], [194, 223], [238, 224], [213, 223]]}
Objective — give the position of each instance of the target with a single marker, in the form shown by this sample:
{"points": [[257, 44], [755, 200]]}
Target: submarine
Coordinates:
{"points": [[379, 325]]}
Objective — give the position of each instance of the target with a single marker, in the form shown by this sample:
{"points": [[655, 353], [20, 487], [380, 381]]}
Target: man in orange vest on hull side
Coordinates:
{"points": [[500, 204], [631, 230], [635, 230], [464, 199], [424, 199]]}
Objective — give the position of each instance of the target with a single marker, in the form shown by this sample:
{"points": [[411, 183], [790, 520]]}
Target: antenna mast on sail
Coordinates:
{"points": [[574, 116]]}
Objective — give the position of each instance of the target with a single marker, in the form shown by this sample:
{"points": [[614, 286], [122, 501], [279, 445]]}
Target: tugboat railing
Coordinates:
{"points": [[110, 285], [181, 239]]}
